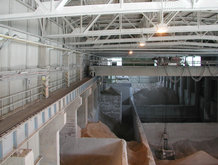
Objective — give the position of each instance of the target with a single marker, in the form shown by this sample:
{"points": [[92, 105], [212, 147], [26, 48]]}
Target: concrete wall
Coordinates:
{"points": [[21, 56], [124, 88], [94, 150], [169, 113], [180, 131], [111, 105], [202, 93], [16, 56], [23, 157], [140, 134]]}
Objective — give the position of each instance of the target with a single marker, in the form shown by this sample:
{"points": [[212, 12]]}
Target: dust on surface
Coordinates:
{"points": [[198, 158], [136, 152]]}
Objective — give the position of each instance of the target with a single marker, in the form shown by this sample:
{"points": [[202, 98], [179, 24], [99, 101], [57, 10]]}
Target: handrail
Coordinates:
{"points": [[20, 92], [32, 93]]}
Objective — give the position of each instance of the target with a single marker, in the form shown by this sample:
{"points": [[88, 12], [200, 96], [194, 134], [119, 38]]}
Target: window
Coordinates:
{"points": [[15, 139], [1, 150], [49, 112], [55, 108], [26, 130], [35, 123], [43, 117]]}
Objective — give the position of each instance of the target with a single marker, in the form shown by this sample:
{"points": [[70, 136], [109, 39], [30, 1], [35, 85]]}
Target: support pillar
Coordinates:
{"points": [[67, 61], [49, 140], [45, 84], [176, 85], [207, 94], [188, 90], [67, 78], [81, 67], [83, 109], [171, 83], [217, 101], [181, 91], [91, 108], [168, 82], [165, 85], [197, 95], [71, 128]]}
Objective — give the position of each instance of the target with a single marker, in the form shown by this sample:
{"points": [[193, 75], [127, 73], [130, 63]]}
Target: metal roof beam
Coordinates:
{"points": [[163, 38], [116, 8], [154, 44], [170, 29]]}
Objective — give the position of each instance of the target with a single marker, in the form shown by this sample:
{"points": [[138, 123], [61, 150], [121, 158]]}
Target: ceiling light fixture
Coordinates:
{"points": [[162, 28], [130, 52], [142, 44]]}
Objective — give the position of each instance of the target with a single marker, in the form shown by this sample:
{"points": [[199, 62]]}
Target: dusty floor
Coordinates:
{"points": [[136, 151]]}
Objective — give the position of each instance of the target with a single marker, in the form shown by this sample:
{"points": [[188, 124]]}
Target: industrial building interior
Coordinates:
{"points": [[108, 82]]}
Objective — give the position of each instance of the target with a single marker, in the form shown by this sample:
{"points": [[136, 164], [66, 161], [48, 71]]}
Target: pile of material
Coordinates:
{"points": [[97, 130], [136, 152], [156, 96], [186, 147], [198, 158], [87, 160]]}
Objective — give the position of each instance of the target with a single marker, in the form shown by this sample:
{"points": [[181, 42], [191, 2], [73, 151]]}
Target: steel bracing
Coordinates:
{"points": [[97, 24]]}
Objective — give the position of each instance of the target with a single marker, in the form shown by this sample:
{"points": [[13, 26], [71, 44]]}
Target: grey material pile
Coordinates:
{"points": [[192, 152], [156, 96], [186, 147]]}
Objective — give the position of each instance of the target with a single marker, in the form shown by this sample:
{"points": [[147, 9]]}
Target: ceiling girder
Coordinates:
{"points": [[170, 29], [62, 11], [163, 38]]}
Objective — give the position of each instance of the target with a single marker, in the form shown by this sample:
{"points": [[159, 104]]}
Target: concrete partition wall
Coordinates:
{"points": [[94, 151], [139, 133], [181, 131]]}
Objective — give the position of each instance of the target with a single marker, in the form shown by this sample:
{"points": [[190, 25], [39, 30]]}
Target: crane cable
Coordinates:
{"points": [[207, 64], [198, 77], [170, 77]]}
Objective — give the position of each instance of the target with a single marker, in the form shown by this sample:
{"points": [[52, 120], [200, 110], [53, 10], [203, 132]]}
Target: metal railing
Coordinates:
{"points": [[54, 85], [74, 77], [10, 103]]}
